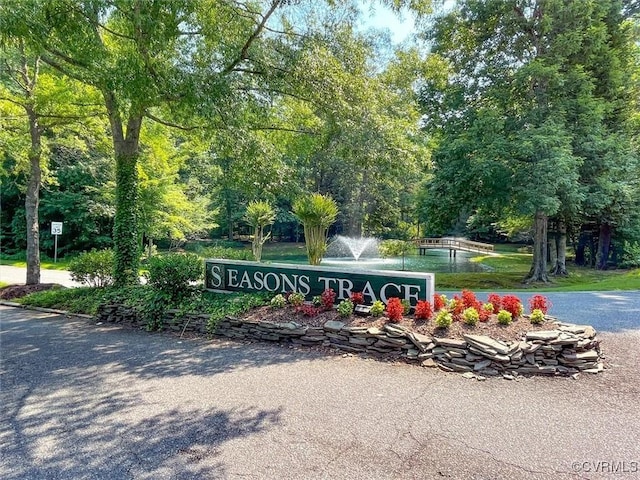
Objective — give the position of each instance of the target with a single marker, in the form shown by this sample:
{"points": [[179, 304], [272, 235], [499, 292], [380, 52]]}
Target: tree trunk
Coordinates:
{"points": [[126, 242], [538, 272], [553, 249], [32, 200], [125, 236], [229, 211], [604, 244], [560, 265]]}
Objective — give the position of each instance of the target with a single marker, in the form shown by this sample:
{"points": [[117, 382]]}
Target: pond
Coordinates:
{"points": [[435, 261]]}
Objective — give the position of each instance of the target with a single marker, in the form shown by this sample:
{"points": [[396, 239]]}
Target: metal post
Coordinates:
{"points": [[55, 249]]}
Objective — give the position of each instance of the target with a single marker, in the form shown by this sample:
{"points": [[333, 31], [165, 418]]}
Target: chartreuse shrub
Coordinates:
{"points": [[504, 317], [296, 299], [471, 316], [94, 268], [537, 316], [278, 301], [345, 308], [377, 309], [444, 319]]}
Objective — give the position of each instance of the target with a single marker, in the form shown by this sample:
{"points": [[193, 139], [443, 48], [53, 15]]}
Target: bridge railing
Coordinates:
{"points": [[454, 243]]}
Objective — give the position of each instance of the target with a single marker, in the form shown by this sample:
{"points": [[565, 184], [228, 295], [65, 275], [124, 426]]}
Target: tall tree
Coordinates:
{"points": [[38, 105], [508, 138], [140, 54]]}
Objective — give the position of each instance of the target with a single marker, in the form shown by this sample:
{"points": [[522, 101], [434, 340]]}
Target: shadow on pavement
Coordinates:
{"points": [[51, 366]]}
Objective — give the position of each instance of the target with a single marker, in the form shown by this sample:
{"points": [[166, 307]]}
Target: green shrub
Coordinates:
{"points": [[174, 273], [228, 253], [504, 317], [317, 301], [444, 319], [296, 299], [406, 306], [278, 301], [377, 309], [471, 316], [94, 268], [537, 316], [345, 308], [74, 300]]}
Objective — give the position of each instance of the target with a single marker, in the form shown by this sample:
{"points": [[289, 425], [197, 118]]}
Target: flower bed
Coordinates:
{"points": [[481, 348]]}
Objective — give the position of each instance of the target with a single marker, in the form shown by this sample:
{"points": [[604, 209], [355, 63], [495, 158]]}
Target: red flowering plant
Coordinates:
{"points": [[539, 302], [394, 309], [328, 298], [485, 311], [495, 300], [423, 310], [357, 298], [439, 302], [456, 306], [513, 305], [469, 299], [308, 310]]}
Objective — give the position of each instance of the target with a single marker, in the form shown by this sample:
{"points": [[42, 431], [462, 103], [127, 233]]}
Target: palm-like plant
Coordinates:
{"points": [[316, 212], [259, 215]]}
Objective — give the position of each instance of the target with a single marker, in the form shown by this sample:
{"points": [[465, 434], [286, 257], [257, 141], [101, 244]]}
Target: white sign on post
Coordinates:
{"points": [[56, 229]]}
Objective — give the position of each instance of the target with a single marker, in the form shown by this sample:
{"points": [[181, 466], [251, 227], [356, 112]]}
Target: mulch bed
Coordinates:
{"points": [[491, 328], [11, 292]]}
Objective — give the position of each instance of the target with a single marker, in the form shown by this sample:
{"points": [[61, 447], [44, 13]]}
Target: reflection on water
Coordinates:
{"points": [[436, 261]]}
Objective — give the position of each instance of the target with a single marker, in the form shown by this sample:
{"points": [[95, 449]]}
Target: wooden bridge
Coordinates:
{"points": [[453, 244]]}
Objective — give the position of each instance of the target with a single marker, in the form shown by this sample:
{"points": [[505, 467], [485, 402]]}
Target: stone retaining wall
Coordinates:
{"points": [[565, 350]]}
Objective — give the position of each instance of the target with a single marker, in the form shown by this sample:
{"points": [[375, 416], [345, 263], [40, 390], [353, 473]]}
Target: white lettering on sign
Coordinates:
{"points": [[408, 295], [216, 277], [367, 291], [344, 289], [327, 282]]}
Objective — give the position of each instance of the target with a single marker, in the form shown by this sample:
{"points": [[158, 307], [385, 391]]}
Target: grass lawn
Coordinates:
{"points": [[45, 262]]}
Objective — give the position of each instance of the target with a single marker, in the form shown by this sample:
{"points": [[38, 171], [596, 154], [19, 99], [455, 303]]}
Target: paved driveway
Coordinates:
{"points": [[82, 401]]}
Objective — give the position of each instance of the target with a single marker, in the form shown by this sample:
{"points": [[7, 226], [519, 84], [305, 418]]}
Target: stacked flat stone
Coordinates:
{"points": [[567, 349]]}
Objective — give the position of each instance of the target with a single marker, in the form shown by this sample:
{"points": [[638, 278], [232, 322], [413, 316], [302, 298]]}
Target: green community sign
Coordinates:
{"points": [[240, 276]]}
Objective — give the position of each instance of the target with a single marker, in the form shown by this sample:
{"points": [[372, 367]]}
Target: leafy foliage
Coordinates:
{"points": [[471, 316], [259, 215], [504, 317], [444, 319], [537, 316], [278, 301], [173, 274], [328, 298], [94, 269], [394, 309], [423, 310], [316, 212], [377, 308], [539, 302], [345, 308]]}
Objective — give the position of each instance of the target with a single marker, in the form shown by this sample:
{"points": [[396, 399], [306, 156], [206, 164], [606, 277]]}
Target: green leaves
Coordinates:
{"points": [[316, 212]]}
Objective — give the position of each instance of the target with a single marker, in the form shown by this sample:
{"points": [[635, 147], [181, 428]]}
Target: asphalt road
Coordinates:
{"points": [[100, 402]]}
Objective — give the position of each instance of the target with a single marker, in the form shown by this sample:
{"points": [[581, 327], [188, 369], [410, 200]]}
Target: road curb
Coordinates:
{"points": [[46, 310]]}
